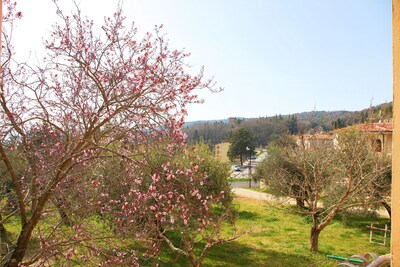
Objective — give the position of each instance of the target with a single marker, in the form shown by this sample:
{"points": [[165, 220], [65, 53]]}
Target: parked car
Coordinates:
{"points": [[237, 168]]}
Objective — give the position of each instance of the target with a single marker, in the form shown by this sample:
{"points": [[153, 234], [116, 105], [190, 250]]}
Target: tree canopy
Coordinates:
{"points": [[265, 128], [93, 133], [327, 180], [243, 145]]}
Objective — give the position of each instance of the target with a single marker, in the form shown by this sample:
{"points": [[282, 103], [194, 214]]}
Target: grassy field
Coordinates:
{"points": [[281, 238]]}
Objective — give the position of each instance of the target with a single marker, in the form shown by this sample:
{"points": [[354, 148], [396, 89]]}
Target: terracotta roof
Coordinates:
{"points": [[370, 127], [377, 127]]}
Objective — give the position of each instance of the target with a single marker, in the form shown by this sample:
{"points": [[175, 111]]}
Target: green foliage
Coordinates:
{"points": [[269, 169], [291, 123], [279, 238], [356, 159], [199, 155], [216, 171], [288, 166], [243, 144], [264, 128], [326, 180], [339, 123]]}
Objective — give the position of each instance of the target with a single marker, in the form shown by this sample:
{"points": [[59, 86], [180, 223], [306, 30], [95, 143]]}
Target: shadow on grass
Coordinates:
{"points": [[361, 220], [236, 254], [246, 215]]}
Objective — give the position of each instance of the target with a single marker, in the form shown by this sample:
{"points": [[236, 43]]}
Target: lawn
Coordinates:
{"points": [[280, 238]]}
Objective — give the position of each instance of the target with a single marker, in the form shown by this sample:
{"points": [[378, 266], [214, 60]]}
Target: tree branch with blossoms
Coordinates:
{"points": [[93, 109]]}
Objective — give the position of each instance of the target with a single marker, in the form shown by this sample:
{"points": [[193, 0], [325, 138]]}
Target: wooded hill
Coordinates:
{"points": [[265, 128]]}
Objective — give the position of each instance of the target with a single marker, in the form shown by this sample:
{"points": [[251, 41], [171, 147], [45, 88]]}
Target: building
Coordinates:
{"points": [[221, 152], [314, 140], [232, 120], [381, 134]]}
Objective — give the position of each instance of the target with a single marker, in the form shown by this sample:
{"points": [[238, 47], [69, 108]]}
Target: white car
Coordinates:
{"points": [[237, 168]]}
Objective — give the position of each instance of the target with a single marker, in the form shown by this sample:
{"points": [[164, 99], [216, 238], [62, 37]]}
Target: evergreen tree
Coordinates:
{"points": [[243, 144]]}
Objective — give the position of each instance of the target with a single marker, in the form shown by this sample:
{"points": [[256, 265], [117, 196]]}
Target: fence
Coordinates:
{"points": [[385, 234]]}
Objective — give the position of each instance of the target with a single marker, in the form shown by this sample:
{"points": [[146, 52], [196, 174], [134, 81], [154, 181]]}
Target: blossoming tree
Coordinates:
{"points": [[82, 124]]}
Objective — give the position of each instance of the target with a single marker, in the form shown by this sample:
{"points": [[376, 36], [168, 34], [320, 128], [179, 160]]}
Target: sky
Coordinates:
{"points": [[270, 56]]}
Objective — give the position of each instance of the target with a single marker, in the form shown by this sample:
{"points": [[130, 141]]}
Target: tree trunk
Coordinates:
{"points": [[24, 237], [3, 232], [192, 259], [64, 217], [387, 207], [300, 203], [60, 204], [315, 230], [22, 244], [194, 262], [314, 239]]}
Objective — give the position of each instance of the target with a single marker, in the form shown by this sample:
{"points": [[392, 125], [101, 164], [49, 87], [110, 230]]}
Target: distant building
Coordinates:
{"points": [[235, 120], [232, 120], [314, 140], [381, 134], [221, 152]]}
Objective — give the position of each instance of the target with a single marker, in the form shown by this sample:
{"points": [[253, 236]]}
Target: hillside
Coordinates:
{"points": [[264, 128]]}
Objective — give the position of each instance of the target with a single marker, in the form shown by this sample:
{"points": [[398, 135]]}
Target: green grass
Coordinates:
{"points": [[281, 238]]}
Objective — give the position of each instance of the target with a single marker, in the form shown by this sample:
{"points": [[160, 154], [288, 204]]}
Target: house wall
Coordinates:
{"points": [[385, 141], [221, 152], [314, 141], [387, 145], [324, 142]]}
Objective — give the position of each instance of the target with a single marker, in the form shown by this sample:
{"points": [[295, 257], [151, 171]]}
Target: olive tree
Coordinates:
{"points": [[327, 180]]}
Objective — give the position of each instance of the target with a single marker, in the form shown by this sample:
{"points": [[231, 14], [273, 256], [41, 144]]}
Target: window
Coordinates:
{"points": [[378, 145]]}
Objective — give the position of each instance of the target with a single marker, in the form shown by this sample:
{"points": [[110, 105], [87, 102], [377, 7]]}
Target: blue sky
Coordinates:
{"points": [[270, 56]]}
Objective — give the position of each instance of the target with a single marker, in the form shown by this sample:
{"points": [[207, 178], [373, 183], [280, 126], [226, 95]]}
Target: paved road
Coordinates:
{"points": [[245, 172], [245, 184]]}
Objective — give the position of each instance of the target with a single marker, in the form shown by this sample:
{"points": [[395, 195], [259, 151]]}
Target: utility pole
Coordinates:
{"points": [[248, 149]]}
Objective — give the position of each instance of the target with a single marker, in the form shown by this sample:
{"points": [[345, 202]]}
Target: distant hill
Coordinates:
{"points": [[190, 123], [264, 128], [320, 114]]}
